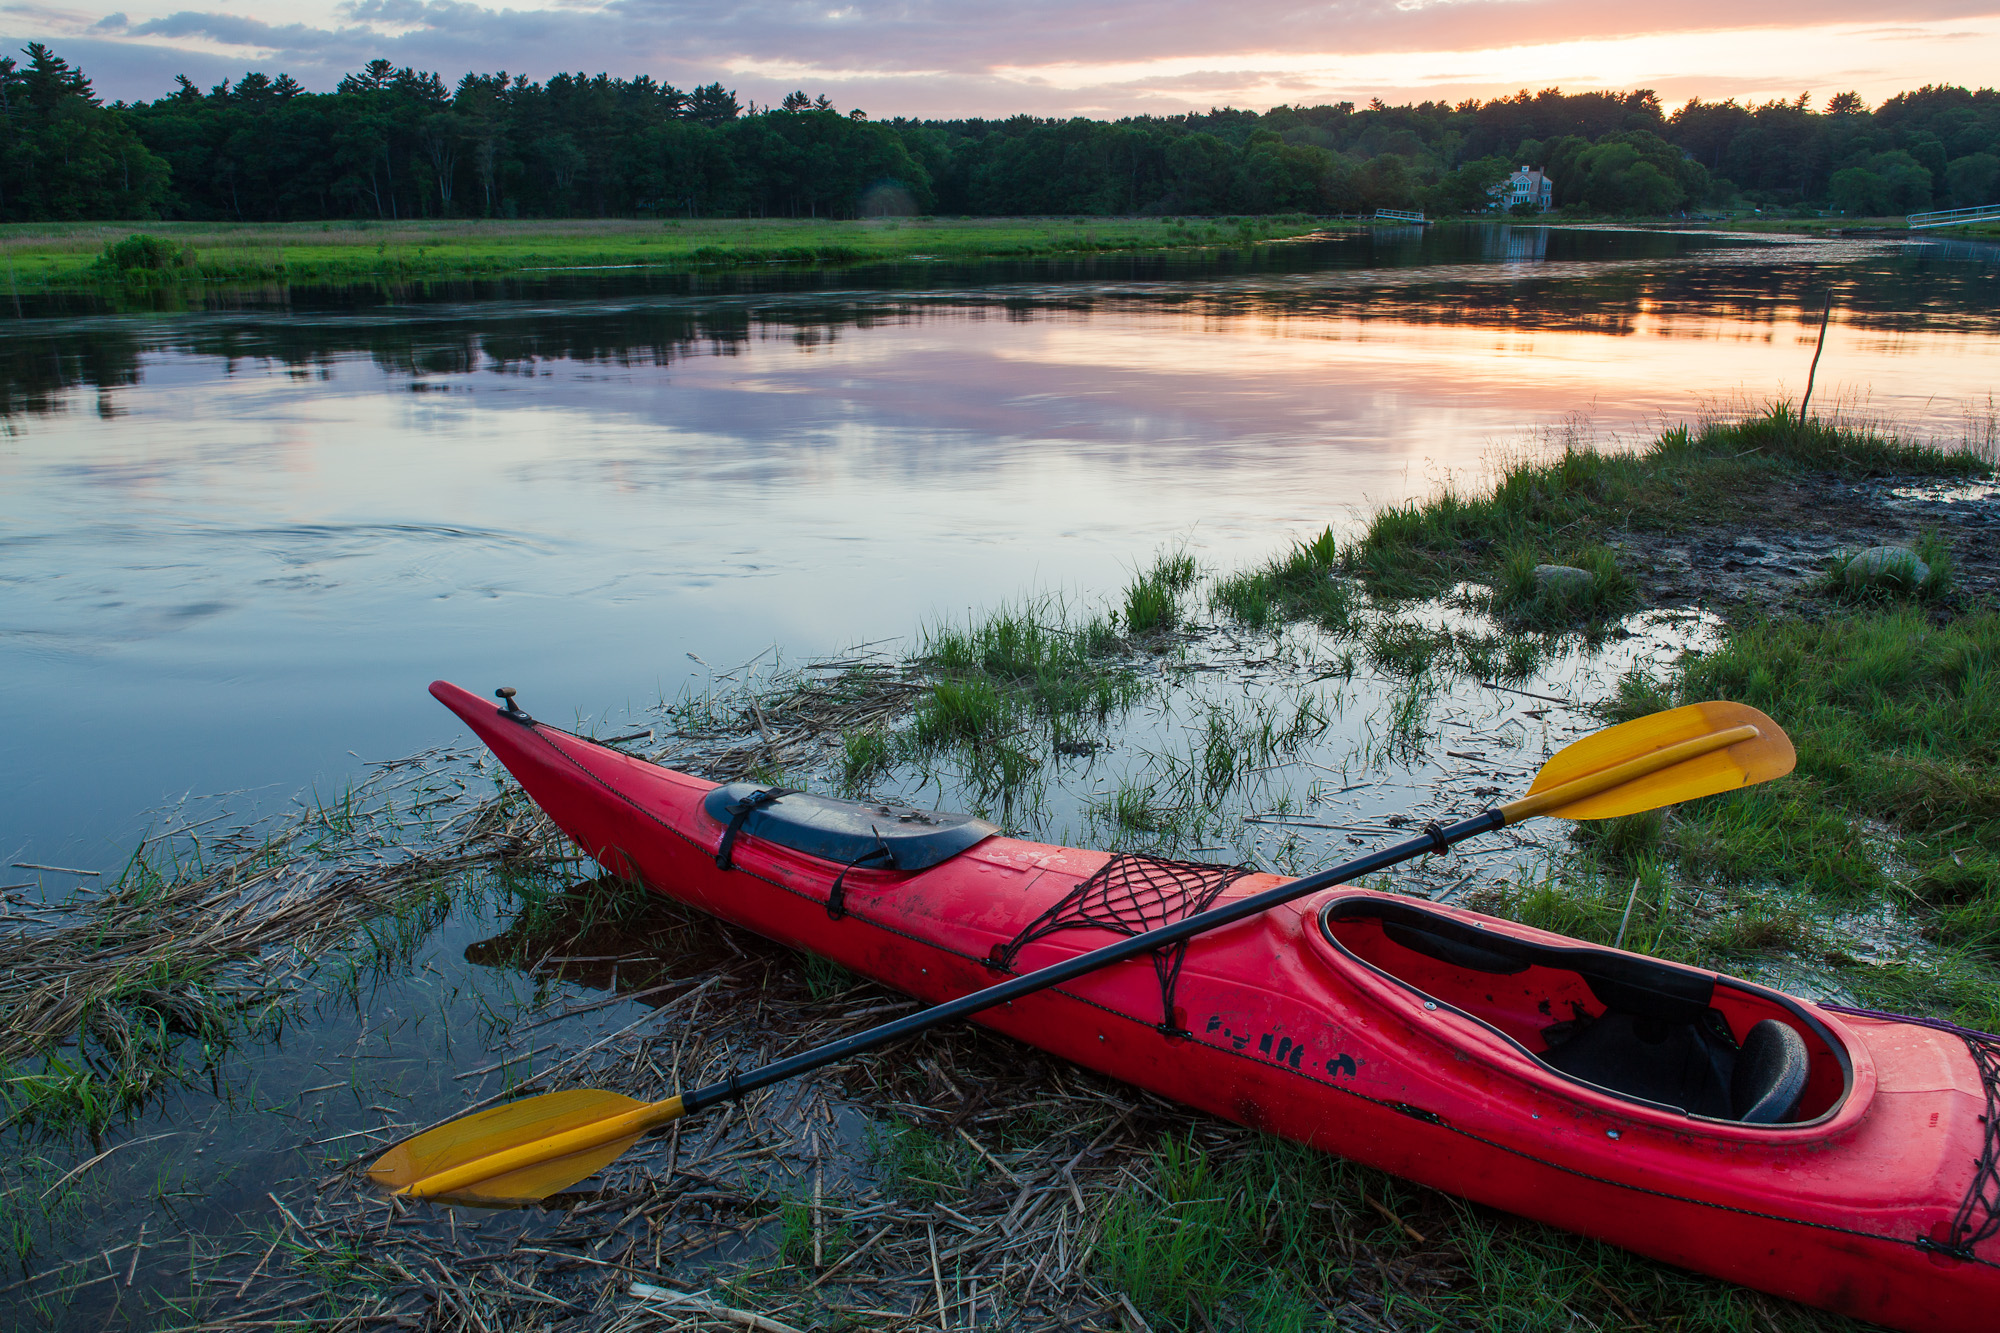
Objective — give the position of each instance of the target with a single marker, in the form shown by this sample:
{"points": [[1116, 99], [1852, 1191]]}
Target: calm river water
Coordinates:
{"points": [[237, 541]]}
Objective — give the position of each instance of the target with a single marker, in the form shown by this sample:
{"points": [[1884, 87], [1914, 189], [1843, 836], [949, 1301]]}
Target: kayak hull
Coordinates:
{"points": [[1297, 1022]]}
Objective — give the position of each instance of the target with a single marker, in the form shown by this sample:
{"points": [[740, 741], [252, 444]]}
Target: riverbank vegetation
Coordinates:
{"points": [[394, 144], [1562, 509], [168, 254]]}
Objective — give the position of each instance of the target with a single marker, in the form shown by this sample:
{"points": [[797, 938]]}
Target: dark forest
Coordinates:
{"points": [[395, 143]]}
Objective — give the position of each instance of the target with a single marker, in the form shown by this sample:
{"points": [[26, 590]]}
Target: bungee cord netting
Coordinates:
{"points": [[1131, 894]]}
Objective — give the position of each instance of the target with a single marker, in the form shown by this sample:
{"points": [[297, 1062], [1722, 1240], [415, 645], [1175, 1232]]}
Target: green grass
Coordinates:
{"points": [[69, 254], [1278, 1237], [962, 712], [863, 755], [826, 979], [1561, 511], [1306, 583], [1153, 598], [1524, 599], [919, 1165], [1896, 720], [1024, 667], [1937, 584]]}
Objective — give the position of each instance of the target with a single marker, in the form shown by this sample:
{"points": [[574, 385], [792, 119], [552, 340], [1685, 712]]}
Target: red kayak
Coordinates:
{"points": [[1844, 1159]]}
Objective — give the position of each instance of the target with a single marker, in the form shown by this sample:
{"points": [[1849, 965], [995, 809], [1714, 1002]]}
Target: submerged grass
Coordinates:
{"points": [[110, 1000], [1153, 599]]}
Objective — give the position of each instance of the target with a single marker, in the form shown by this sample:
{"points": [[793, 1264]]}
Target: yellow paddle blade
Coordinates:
{"points": [[537, 1180], [1658, 760], [485, 1133]]}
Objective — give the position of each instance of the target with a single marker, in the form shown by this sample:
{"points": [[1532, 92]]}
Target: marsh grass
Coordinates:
{"points": [[1153, 598], [1560, 509], [920, 1165], [968, 712], [825, 979], [1039, 657], [1188, 1241], [1306, 583], [109, 1000], [864, 754], [1006, 692]]}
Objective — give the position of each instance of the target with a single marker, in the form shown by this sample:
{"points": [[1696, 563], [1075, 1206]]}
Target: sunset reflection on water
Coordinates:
{"points": [[240, 542]]}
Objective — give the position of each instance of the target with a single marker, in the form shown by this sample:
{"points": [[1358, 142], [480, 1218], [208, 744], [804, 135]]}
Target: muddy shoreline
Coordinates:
{"points": [[1772, 561]]}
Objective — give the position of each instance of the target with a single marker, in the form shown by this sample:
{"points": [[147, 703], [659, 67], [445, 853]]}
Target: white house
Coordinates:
{"points": [[1526, 186]]}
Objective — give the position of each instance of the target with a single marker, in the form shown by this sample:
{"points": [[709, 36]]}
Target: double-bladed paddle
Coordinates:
{"points": [[529, 1149]]}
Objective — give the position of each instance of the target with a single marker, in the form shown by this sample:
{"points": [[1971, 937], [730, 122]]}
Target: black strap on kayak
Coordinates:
{"points": [[740, 811], [1978, 1217], [836, 898]]}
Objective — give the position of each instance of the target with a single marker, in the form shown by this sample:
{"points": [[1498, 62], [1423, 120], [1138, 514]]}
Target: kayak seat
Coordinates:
{"points": [[868, 834], [1674, 1064], [1634, 1027], [1770, 1074]]}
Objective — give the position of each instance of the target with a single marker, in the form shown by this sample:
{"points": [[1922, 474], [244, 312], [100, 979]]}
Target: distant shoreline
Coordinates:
{"points": [[55, 256], [41, 257]]}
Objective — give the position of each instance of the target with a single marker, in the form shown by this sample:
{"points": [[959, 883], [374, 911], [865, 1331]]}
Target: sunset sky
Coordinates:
{"points": [[1054, 57]]}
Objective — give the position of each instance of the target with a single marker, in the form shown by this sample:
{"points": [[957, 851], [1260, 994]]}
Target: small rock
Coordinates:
{"points": [[1564, 578], [1886, 567]]}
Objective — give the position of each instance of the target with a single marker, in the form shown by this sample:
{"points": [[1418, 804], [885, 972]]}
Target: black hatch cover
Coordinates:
{"points": [[846, 832]]}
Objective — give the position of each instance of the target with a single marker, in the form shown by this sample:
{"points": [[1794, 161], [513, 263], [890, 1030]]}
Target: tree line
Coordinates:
{"points": [[395, 143]]}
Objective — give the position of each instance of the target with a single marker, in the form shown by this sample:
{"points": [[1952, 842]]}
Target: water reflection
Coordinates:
{"points": [[238, 540], [1599, 281], [1517, 245]]}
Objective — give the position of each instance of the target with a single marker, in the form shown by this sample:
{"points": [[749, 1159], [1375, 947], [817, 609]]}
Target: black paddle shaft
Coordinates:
{"points": [[1435, 839]]}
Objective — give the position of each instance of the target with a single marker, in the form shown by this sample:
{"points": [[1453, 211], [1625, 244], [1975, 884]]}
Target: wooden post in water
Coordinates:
{"points": [[1818, 347]]}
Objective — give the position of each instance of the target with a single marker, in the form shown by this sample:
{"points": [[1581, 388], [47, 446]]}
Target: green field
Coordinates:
{"points": [[1756, 222], [38, 255]]}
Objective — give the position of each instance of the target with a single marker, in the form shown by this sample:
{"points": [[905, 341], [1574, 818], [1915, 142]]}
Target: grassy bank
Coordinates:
{"points": [[1565, 510], [1894, 810], [38, 255]]}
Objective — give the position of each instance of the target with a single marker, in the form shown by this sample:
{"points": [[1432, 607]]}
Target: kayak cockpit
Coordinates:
{"points": [[1642, 1030]]}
